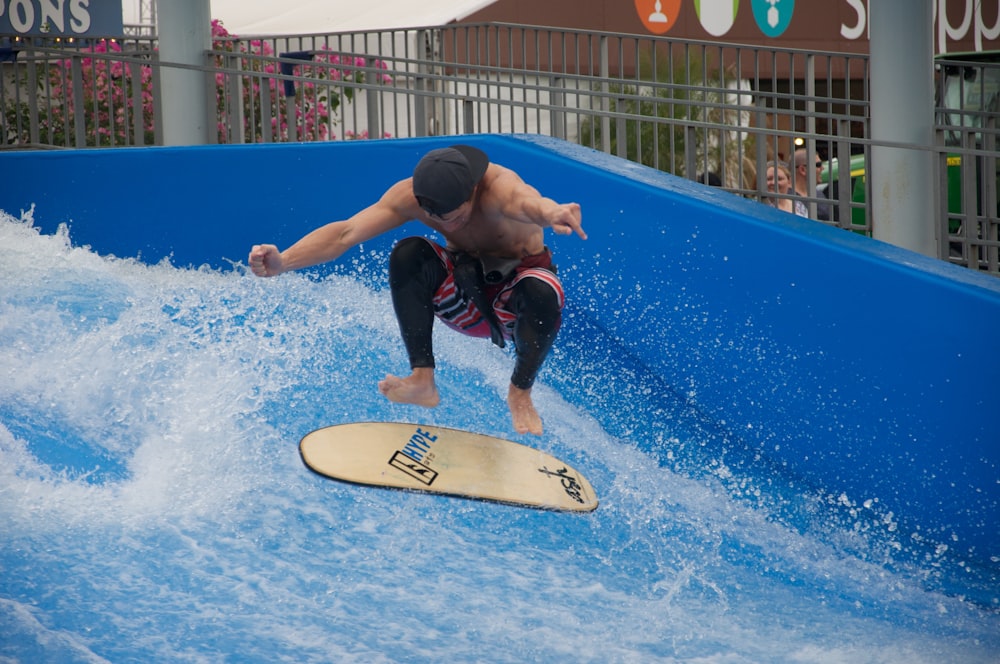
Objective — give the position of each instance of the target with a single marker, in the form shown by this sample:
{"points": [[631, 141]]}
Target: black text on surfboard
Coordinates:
{"points": [[569, 483]]}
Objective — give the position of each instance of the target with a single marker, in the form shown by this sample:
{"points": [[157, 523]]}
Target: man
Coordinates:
{"points": [[493, 278], [803, 171]]}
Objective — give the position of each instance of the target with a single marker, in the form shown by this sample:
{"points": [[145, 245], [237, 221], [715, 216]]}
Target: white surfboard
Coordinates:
{"points": [[422, 457]]}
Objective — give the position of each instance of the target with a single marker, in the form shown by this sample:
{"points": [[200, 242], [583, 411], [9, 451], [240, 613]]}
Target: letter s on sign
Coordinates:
{"points": [[80, 21], [858, 29]]}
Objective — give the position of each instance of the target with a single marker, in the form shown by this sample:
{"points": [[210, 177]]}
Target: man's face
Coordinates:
{"points": [[817, 168], [456, 219]]}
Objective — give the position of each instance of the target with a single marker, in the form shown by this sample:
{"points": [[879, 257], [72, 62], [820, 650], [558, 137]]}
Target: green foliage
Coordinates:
{"points": [[678, 110]]}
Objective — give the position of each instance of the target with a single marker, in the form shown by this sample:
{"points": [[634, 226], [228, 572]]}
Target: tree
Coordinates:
{"points": [[674, 116]]}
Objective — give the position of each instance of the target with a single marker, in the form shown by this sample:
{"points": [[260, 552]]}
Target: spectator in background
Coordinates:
{"points": [[805, 170], [779, 180]]}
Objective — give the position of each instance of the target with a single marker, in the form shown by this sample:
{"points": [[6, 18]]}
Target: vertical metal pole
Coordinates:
{"points": [[266, 110], [468, 116], [236, 133], [810, 132], [291, 120], [845, 193], [33, 129], [557, 105], [621, 129], [970, 212], [372, 94], [420, 84], [761, 160], [690, 153], [79, 119], [138, 114], [902, 103], [941, 198], [157, 84], [605, 101], [989, 198]]}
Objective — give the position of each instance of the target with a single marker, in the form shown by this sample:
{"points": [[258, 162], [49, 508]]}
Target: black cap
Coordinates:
{"points": [[445, 178]]}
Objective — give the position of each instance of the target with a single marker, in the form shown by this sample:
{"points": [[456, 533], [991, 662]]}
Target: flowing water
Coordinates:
{"points": [[154, 506]]}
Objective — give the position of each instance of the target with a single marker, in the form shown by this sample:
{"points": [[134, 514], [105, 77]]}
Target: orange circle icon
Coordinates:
{"points": [[658, 16]]}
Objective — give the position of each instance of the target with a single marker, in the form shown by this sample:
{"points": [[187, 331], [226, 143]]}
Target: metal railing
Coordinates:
{"points": [[96, 93], [684, 107], [969, 136]]}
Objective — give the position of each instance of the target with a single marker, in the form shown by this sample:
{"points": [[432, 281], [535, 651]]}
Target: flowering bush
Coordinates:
{"points": [[108, 99], [109, 95], [316, 100]]}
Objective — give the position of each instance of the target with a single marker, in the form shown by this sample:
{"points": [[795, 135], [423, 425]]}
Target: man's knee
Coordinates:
{"points": [[538, 308], [413, 258], [535, 295], [410, 251]]}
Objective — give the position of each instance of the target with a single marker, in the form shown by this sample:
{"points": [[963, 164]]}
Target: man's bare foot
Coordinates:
{"points": [[522, 411], [418, 388]]}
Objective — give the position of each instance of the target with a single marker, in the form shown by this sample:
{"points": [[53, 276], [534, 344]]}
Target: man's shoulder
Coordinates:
{"points": [[497, 174], [400, 195], [499, 185]]}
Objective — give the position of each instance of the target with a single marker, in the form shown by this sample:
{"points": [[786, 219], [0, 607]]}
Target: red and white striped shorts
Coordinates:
{"points": [[460, 314]]}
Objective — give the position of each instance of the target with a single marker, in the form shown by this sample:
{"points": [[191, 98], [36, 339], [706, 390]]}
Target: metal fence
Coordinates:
{"points": [[968, 133], [696, 109]]}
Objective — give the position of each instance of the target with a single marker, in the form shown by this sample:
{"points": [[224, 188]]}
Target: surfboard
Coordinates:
{"points": [[421, 457]]}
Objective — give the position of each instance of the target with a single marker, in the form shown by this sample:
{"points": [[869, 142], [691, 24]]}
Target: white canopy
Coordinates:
{"points": [[291, 17]]}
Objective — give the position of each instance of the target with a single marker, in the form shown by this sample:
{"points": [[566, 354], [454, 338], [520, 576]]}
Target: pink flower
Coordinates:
{"points": [[111, 88]]}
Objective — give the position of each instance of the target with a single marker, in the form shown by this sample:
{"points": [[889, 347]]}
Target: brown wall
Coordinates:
{"points": [[825, 25]]}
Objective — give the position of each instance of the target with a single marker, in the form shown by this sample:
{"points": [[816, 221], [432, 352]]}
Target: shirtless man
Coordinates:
{"points": [[494, 277]]}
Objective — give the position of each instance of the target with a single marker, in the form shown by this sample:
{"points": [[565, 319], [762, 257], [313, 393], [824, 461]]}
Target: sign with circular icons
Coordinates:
{"points": [[772, 16], [716, 16], [658, 17]]}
